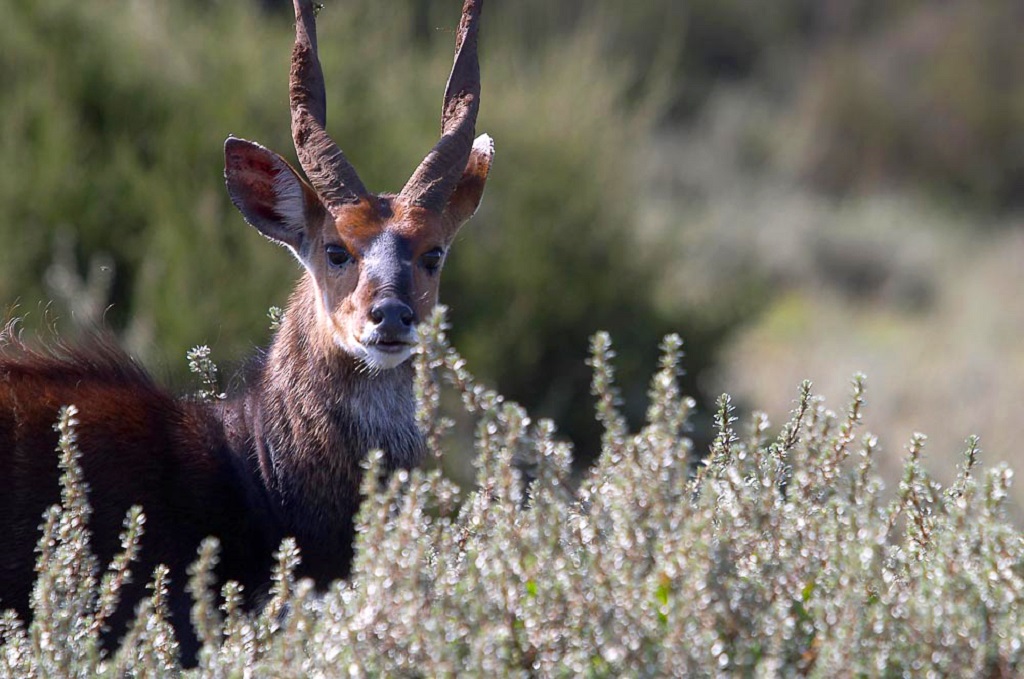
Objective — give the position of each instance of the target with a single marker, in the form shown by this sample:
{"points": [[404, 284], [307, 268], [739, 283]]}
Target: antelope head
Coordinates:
{"points": [[374, 259]]}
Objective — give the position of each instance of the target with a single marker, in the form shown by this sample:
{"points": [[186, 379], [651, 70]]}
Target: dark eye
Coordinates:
{"points": [[338, 256], [432, 259]]}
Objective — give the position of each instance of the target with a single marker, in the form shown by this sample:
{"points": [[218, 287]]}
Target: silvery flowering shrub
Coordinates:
{"points": [[773, 554]]}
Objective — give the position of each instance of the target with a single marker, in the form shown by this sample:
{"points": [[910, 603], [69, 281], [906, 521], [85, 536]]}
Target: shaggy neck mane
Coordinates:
{"points": [[313, 415]]}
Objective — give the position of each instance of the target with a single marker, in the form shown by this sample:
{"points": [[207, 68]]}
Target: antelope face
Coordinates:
{"points": [[375, 259], [377, 271], [376, 262]]}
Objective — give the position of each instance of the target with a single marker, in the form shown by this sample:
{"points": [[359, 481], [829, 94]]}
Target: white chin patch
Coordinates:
{"points": [[385, 360], [383, 357], [378, 359]]}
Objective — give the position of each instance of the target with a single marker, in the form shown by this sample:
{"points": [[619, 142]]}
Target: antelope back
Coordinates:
{"points": [[139, 446]]}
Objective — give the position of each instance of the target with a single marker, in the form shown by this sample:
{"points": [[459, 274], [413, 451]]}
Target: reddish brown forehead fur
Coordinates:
{"points": [[358, 224]]}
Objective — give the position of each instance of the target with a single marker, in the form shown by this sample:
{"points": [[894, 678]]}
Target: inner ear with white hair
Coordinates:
{"points": [[469, 190], [269, 193]]}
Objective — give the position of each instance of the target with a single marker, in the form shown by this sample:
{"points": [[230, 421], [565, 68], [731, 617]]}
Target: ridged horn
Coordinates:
{"points": [[433, 181], [326, 167]]}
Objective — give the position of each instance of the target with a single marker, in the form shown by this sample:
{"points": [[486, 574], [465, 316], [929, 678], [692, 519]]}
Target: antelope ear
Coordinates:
{"points": [[268, 192], [467, 194]]}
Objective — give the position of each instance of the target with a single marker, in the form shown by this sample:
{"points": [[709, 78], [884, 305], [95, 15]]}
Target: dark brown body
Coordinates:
{"points": [[279, 458], [139, 447]]}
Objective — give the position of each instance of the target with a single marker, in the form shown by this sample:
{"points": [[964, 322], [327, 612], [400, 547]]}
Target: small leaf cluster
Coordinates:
{"points": [[202, 366]]}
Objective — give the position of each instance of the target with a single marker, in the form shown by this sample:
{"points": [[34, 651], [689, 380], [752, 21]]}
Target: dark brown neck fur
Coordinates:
{"points": [[312, 415]]}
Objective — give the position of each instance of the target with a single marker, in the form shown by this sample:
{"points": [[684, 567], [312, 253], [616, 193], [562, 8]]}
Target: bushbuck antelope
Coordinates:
{"points": [[282, 456]]}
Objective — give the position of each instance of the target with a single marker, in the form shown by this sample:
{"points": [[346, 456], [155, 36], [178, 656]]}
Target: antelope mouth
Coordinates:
{"points": [[386, 352], [390, 341], [390, 346]]}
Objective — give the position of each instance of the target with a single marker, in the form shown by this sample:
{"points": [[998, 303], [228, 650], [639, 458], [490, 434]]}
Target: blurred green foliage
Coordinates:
{"points": [[113, 115], [930, 100], [910, 95]]}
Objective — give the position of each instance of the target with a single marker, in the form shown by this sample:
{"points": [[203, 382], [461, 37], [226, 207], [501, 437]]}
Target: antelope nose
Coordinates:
{"points": [[392, 315]]}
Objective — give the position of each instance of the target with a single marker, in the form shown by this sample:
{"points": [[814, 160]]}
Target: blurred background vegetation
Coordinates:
{"points": [[801, 188]]}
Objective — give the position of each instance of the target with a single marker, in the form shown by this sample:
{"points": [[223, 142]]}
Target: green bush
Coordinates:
{"points": [[779, 556], [927, 101]]}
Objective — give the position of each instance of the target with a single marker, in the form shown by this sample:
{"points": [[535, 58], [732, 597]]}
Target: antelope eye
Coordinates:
{"points": [[338, 256], [432, 259]]}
